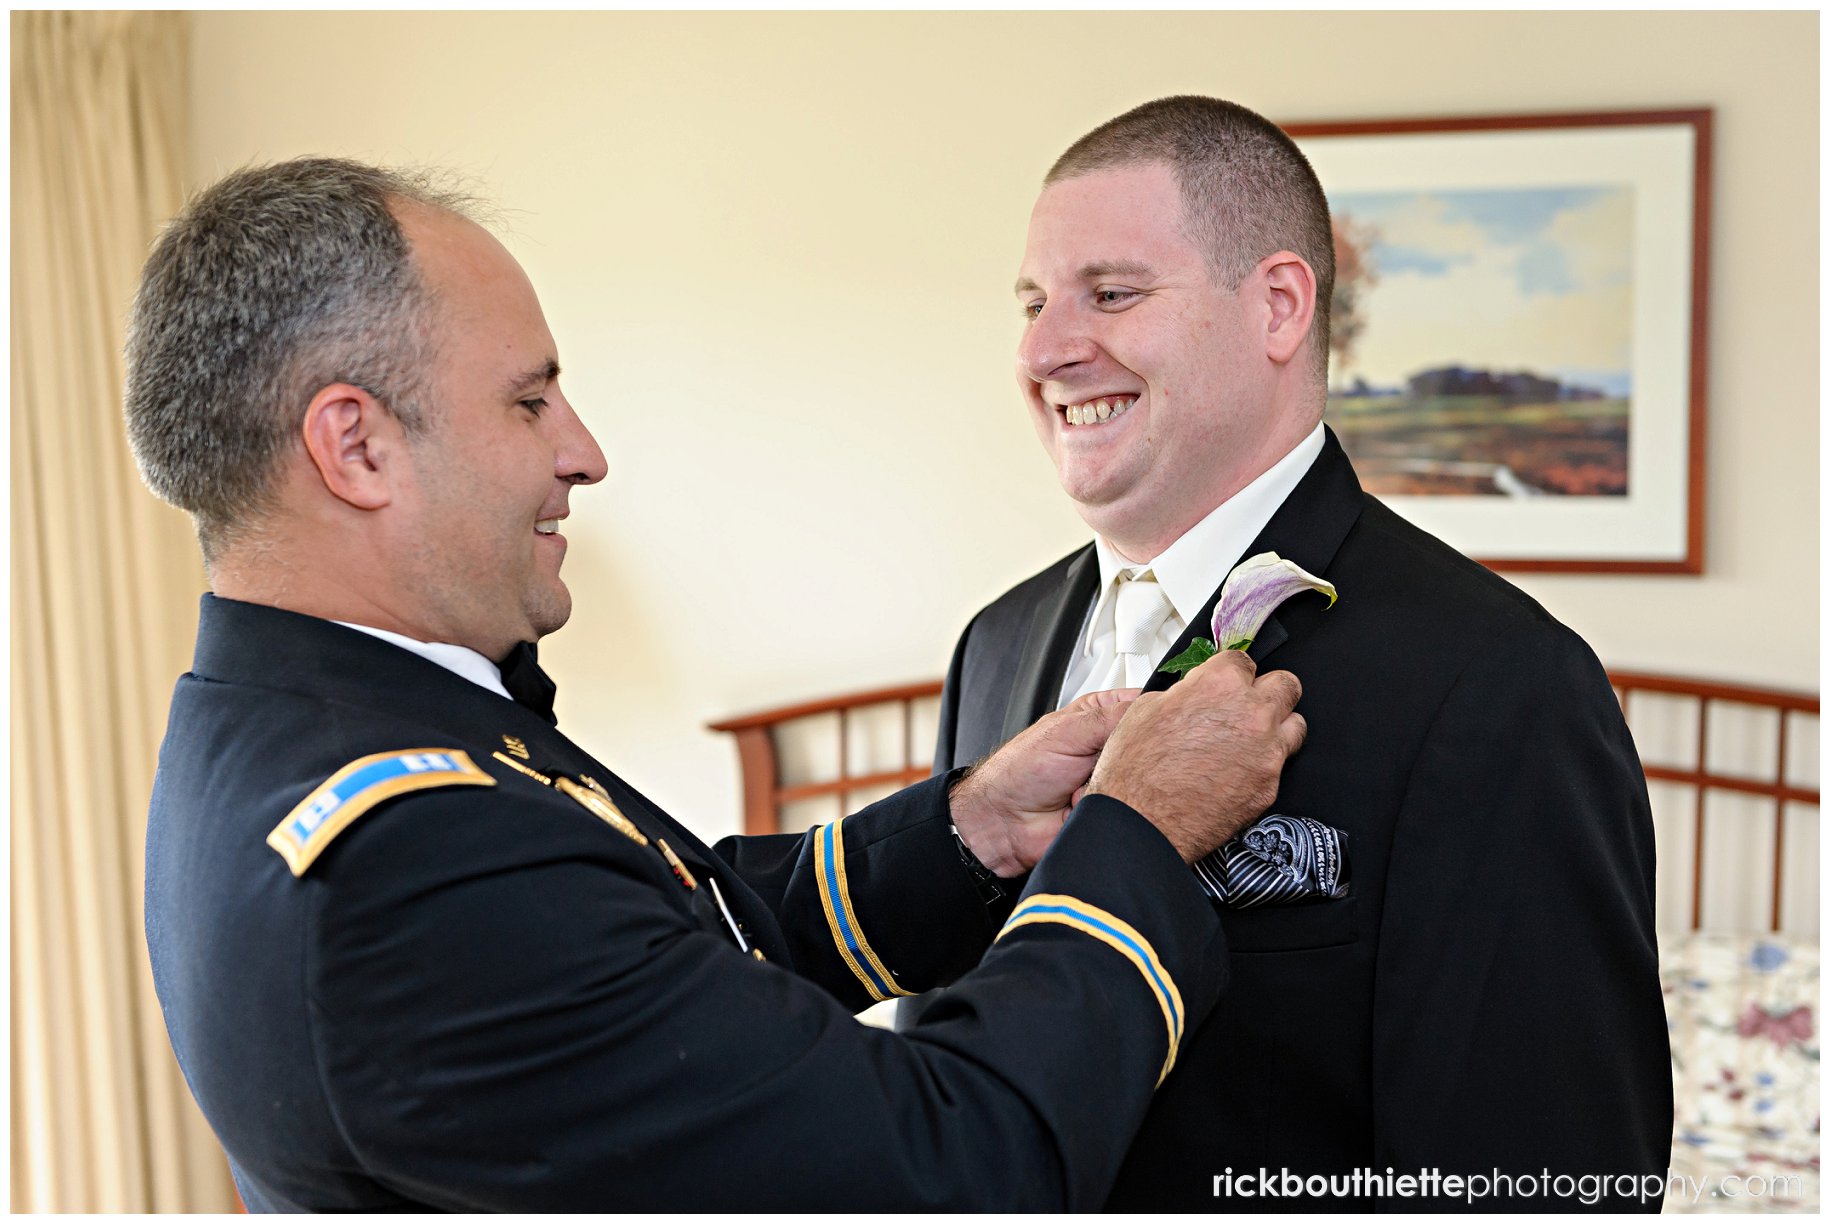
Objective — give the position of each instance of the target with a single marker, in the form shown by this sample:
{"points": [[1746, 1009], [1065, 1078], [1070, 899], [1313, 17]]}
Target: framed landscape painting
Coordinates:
{"points": [[1517, 349]]}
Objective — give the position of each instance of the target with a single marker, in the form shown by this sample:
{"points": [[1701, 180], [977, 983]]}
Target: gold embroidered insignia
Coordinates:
{"points": [[518, 767], [359, 786], [602, 807], [679, 868]]}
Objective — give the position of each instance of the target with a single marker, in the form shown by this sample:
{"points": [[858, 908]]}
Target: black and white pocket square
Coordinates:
{"points": [[1277, 861]]}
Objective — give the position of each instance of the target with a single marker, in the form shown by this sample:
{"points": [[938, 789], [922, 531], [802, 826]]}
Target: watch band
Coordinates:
{"points": [[984, 879]]}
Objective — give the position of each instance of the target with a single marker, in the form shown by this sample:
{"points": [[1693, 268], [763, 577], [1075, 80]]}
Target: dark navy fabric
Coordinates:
{"points": [[487, 997]]}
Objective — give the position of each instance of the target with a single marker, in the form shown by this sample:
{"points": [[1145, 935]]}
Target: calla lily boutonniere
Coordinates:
{"points": [[1251, 593]]}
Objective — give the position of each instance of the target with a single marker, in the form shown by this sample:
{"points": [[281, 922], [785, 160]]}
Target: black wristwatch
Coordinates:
{"points": [[990, 887]]}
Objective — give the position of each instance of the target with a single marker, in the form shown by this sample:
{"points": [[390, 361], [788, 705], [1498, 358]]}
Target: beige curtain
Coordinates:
{"points": [[104, 602]]}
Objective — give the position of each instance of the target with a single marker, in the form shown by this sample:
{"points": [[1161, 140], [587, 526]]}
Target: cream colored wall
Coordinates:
{"points": [[777, 252]]}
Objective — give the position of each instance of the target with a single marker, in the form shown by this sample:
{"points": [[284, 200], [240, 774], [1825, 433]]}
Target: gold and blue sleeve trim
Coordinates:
{"points": [[1119, 935], [835, 899], [359, 786]]}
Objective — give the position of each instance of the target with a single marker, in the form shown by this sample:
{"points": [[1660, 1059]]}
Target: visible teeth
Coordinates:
{"points": [[547, 526], [1094, 411]]}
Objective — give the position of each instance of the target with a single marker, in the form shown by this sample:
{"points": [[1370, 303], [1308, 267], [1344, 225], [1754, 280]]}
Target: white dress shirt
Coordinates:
{"points": [[1188, 570], [459, 659]]}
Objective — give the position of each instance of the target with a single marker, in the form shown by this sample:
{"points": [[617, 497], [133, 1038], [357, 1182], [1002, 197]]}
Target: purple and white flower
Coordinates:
{"points": [[1253, 591]]}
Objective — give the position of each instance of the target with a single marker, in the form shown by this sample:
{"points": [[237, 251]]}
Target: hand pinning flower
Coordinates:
{"points": [[1252, 592]]}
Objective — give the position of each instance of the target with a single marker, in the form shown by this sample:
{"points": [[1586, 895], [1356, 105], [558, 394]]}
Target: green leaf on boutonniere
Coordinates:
{"points": [[1199, 651]]}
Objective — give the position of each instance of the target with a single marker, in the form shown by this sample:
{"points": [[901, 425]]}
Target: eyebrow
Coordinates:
{"points": [[539, 375], [1095, 271]]}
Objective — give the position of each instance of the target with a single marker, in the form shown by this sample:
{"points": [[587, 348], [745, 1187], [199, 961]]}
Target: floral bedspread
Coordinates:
{"points": [[1743, 1012]]}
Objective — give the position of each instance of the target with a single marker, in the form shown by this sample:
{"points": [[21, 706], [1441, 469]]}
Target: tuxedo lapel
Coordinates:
{"points": [[1269, 638], [1053, 629], [1307, 529]]}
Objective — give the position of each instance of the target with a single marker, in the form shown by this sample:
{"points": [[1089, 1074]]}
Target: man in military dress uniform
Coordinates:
{"points": [[418, 950]]}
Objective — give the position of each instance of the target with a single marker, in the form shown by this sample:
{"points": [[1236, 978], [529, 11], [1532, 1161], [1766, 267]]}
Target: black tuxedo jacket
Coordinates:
{"points": [[1487, 996]]}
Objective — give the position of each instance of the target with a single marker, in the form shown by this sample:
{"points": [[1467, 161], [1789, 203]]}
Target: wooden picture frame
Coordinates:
{"points": [[1522, 308]]}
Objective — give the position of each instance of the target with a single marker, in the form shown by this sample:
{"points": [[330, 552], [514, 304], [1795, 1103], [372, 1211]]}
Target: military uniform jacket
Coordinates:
{"points": [[480, 992], [1487, 995]]}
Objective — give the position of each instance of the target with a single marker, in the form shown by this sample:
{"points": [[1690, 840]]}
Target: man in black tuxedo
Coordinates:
{"points": [[1484, 999]]}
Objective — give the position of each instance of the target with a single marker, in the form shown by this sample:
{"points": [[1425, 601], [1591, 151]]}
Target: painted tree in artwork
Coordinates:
{"points": [[1354, 273]]}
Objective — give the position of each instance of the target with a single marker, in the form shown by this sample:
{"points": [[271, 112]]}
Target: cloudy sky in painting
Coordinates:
{"points": [[1538, 279]]}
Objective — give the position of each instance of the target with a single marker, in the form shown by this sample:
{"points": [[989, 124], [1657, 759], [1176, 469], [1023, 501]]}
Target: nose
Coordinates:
{"points": [[1052, 341], [576, 456]]}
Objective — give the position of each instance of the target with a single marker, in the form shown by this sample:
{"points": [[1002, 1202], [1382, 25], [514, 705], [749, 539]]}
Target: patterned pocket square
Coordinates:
{"points": [[1277, 861]]}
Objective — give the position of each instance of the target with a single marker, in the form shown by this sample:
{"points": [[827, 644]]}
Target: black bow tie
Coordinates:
{"points": [[527, 684]]}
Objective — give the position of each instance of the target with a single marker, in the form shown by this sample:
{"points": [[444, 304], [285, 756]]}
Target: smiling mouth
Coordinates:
{"points": [[547, 527], [1098, 411]]}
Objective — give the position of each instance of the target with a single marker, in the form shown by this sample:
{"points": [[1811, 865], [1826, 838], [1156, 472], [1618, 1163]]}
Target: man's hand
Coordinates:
{"points": [[1202, 760], [1010, 806]]}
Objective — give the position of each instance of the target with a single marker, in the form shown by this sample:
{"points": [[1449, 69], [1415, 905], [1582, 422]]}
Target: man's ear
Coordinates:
{"points": [[355, 444], [1289, 287]]}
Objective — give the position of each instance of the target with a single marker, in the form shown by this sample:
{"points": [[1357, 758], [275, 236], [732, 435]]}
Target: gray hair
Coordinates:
{"points": [[272, 284], [1247, 190]]}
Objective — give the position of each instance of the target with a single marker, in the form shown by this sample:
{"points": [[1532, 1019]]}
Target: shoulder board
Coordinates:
{"points": [[359, 786]]}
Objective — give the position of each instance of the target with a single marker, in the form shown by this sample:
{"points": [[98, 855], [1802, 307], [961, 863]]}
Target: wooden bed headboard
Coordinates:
{"points": [[1732, 771], [1739, 754], [761, 749]]}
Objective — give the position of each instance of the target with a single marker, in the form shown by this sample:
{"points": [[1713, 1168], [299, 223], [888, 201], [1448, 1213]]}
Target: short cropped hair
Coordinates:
{"points": [[271, 285], [1247, 190]]}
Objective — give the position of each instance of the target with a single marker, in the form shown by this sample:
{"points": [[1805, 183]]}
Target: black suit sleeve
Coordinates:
{"points": [[946, 739], [1519, 1023], [594, 1048]]}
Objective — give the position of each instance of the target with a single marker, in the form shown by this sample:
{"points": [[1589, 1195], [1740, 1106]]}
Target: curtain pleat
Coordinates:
{"points": [[104, 603]]}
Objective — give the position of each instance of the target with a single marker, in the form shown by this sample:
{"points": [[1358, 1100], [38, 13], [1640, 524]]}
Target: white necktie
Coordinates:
{"points": [[1138, 613]]}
